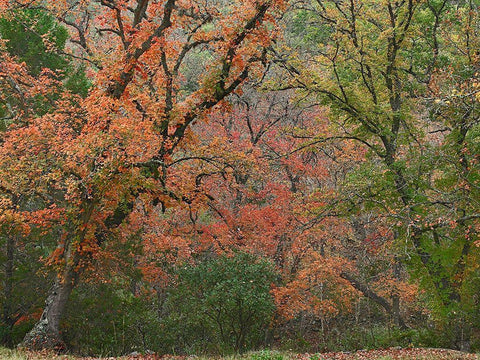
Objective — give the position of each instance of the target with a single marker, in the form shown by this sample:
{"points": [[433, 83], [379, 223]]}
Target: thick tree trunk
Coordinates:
{"points": [[46, 332]]}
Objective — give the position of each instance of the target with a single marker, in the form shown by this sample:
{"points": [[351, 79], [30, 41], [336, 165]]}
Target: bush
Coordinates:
{"points": [[381, 337], [224, 302], [118, 324]]}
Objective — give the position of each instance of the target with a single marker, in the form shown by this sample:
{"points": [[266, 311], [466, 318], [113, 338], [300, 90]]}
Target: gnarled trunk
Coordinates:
{"points": [[46, 332]]}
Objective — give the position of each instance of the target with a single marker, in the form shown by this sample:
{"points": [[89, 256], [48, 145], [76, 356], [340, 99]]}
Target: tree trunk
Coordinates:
{"points": [[370, 294], [46, 332]]}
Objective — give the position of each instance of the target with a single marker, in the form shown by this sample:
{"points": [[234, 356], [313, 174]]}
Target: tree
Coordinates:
{"points": [[26, 33], [89, 156], [377, 66]]}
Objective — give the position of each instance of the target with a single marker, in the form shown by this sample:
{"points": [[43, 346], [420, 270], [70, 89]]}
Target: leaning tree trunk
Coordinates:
{"points": [[370, 294], [46, 332]]}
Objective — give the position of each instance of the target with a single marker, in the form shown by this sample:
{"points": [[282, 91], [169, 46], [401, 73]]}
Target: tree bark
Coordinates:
{"points": [[462, 333], [46, 332]]}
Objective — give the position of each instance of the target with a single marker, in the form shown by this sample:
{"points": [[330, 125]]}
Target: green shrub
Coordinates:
{"points": [[380, 337], [108, 320], [224, 302]]}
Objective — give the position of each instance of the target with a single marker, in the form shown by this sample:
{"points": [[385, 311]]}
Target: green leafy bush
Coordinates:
{"points": [[118, 324], [224, 302]]}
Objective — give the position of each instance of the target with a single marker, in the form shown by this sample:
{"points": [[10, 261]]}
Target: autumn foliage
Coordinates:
{"points": [[334, 142]]}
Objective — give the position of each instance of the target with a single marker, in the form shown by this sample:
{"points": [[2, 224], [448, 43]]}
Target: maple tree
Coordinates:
{"points": [[88, 156], [22, 31], [247, 187]]}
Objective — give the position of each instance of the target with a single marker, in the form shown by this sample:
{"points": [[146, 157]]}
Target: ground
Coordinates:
{"points": [[387, 354]]}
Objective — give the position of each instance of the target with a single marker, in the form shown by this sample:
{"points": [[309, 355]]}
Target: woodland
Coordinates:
{"points": [[221, 176]]}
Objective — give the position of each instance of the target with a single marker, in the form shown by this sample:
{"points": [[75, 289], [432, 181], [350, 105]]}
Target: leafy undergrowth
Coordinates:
{"points": [[386, 354]]}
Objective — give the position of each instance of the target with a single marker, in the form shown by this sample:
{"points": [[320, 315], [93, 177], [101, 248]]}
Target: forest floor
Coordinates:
{"points": [[387, 354]]}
